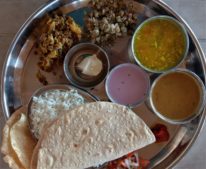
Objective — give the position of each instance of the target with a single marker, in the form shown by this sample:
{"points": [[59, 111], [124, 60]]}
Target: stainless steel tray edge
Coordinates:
{"points": [[203, 62], [22, 31]]}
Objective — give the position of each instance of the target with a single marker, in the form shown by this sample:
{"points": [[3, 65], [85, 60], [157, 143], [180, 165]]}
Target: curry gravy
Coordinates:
{"points": [[176, 96]]}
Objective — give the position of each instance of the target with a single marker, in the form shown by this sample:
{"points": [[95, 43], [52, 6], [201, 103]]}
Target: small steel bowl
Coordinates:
{"points": [[70, 65], [86, 95], [162, 17], [200, 105], [133, 66]]}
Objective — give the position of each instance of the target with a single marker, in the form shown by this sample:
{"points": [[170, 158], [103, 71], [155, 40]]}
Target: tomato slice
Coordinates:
{"points": [[161, 133], [143, 164]]}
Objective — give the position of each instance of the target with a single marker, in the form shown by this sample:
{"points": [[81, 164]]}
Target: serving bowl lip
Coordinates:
{"points": [[201, 104], [76, 48], [137, 67], [184, 32], [63, 87]]}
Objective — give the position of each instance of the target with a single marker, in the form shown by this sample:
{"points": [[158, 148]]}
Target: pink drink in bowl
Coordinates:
{"points": [[127, 84]]}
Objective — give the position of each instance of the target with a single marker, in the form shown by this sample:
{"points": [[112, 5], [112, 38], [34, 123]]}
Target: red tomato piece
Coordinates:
{"points": [[161, 133]]}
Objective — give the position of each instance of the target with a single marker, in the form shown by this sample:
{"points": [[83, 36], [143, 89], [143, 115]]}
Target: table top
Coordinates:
{"points": [[13, 14]]}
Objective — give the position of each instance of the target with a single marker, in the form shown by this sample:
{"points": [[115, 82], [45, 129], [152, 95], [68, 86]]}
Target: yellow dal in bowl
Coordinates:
{"points": [[160, 44]]}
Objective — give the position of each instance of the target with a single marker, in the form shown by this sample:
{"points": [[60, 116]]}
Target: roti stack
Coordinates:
{"points": [[90, 135], [86, 136]]}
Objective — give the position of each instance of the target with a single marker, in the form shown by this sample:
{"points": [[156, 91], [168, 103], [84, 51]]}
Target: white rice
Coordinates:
{"points": [[46, 107]]}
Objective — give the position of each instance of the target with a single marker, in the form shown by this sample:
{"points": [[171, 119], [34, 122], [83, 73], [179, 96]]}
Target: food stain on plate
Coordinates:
{"points": [[159, 44], [127, 84]]}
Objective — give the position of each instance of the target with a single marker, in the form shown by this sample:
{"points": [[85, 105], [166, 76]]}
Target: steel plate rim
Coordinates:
{"points": [[10, 49], [158, 2]]}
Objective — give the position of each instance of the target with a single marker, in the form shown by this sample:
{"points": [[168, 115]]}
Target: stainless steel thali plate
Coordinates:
{"points": [[19, 74]]}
